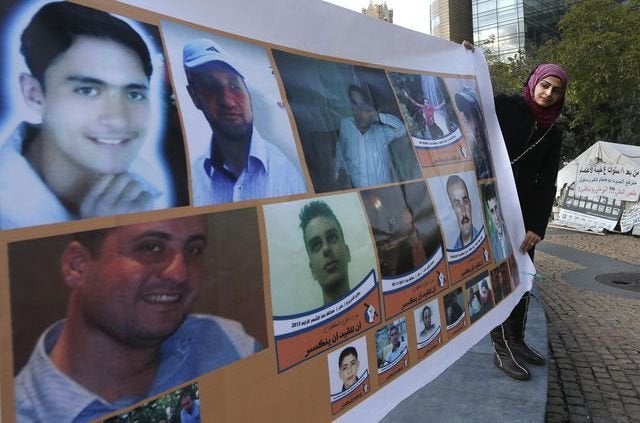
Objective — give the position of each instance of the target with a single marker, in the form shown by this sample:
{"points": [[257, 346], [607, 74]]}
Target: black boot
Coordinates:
{"points": [[504, 358], [517, 323]]}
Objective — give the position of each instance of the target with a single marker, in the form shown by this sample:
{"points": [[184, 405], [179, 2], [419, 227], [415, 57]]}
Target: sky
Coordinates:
{"points": [[412, 14]]}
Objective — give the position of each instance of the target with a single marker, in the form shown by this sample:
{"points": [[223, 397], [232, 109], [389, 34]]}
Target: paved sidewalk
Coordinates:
{"points": [[593, 336], [594, 330]]}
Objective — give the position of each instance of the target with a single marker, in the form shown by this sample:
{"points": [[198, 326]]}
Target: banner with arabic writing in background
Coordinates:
{"points": [[617, 181]]}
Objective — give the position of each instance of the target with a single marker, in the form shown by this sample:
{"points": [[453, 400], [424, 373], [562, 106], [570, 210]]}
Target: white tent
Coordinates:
{"points": [[600, 189]]}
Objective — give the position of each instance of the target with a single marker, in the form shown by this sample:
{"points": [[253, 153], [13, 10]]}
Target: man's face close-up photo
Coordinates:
{"points": [[329, 256], [461, 204], [484, 294], [496, 216], [223, 97], [143, 281], [349, 370], [95, 105], [363, 113], [187, 404], [426, 317], [394, 336]]}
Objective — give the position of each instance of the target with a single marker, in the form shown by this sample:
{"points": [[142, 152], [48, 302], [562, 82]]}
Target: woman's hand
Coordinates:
{"points": [[530, 241]]}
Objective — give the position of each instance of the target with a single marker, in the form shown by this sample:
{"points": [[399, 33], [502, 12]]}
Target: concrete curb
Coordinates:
{"points": [[474, 390]]}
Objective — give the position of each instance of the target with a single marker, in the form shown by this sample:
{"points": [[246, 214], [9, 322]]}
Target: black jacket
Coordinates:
{"points": [[536, 171]]}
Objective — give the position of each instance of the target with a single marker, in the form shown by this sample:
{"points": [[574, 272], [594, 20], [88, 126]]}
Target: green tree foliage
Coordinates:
{"points": [[508, 76], [599, 46]]}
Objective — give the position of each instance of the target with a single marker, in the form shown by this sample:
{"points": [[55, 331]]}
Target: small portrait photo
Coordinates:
{"points": [[500, 241], [348, 122], [391, 343], [426, 105], [453, 307], [472, 123], [88, 121], [480, 297], [181, 405], [427, 318], [319, 250], [459, 208], [348, 367], [501, 281], [170, 298], [404, 226], [514, 270], [241, 145]]}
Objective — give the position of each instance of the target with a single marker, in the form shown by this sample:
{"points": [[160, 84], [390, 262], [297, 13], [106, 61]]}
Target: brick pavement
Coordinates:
{"points": [[594, 339], [620, 247]]}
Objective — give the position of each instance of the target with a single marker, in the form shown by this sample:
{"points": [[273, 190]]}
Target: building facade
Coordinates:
{"points": [[451, 19], [503, 26], [509, 26]]}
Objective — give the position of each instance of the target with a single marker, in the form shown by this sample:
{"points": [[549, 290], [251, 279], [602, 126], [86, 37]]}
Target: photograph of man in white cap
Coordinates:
{"points": [[240, 164]]}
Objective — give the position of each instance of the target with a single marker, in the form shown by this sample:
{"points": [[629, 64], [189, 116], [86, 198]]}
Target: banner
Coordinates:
{"points": [[585, 221], [588, 212], [615, 181], [630, 219], [201, 206]]}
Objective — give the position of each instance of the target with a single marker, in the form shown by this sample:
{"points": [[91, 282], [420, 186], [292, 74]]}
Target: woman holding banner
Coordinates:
{"points": [[533, 143]]}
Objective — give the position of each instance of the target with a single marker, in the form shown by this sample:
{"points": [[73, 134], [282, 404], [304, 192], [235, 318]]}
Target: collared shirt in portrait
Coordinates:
{"points": [[268, 173], [25, 200], [395, 353], [460, 244], [366, 157], [500, 246], [202, 344]]}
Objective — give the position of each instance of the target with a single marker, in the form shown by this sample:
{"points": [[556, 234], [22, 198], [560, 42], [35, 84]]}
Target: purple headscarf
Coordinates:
{"points": [[545, 116]]}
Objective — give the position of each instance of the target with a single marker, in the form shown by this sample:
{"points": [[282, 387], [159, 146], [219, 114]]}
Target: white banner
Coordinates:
{"points": [[583, 221], [324, 271], [616, 181], [630, 218]]}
